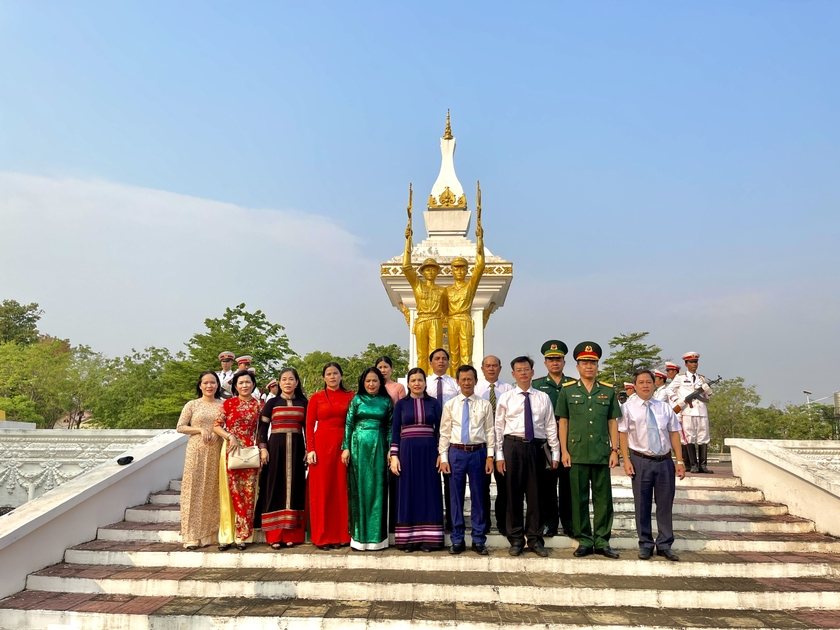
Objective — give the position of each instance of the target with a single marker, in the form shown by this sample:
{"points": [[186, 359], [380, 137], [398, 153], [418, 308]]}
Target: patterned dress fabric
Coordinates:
{"points": [[328, 516], [238, 488], [366, 435], [200, 482], [414, 439], [282, 509]]}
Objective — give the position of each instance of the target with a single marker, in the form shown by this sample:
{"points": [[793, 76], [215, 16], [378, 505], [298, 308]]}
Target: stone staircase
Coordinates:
{"points": [[746, 563]]}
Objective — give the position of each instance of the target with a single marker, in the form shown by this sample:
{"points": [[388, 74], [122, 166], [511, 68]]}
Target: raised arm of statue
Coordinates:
{"points": [[407, 269], [478, 270]]}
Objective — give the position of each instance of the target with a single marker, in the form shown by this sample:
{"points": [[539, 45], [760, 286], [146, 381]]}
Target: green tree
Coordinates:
{"points": [[365, 359], [309, 369], [628, 353], [241, 332], [87, 373], [19, 322], [731, 411]]}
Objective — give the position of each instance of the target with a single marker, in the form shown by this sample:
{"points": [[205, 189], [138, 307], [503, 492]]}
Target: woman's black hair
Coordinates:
{"points": [[387, 360], [341, 384], [298, 388], [239, 375], [382, 391], [414, 371], [217, 393]]}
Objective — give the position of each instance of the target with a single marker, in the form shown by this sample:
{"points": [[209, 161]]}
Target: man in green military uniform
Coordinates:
{"points": [[555, 508], [588, 410]]}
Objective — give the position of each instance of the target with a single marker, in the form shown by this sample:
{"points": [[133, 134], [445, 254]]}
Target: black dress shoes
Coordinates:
{"points": [[608, 552], [582, 551], [457, 548], [673, 557], [480, 549], [645, 553], [540, 550], [515, 550]]}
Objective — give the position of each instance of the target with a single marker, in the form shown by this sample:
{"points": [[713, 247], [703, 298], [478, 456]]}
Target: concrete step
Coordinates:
{"points": [[702, 564], [167, 497], [175, 485], [39, 609], [534, 588], [621, 539]]}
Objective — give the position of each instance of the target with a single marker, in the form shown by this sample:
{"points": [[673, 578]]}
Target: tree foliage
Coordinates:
{"points": [[19, 322], [628, 353], [311, 366]]}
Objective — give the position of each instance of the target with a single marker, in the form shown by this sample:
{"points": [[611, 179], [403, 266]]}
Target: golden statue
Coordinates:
{"points": [[460, 296], [430, 299]]}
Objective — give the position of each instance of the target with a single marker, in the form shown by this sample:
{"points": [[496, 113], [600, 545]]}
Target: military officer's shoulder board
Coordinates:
{"points": [[569, 383], [605, 384]]}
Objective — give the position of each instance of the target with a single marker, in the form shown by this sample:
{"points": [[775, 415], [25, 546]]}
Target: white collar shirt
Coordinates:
{"points": [[684, 384], [482, 426], [449, 386], [482, 389], [634, 422], [510, 419]]}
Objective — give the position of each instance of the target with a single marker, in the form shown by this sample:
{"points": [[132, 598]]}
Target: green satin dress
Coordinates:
{"points": [[367, 435]]}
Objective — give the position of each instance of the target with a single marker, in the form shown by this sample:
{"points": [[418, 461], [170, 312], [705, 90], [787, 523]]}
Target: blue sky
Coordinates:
{"points": [[687, 148]]}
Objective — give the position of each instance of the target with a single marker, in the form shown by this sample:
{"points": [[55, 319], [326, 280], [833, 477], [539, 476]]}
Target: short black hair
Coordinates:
{"points": [[466, 368], [522, 359], [641, 371], [436, 350], [239, 375], [199, 393]]}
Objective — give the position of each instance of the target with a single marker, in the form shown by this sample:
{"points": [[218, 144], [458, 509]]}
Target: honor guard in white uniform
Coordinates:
{"points": [[226, 373], [694, 416], [659, 382]]}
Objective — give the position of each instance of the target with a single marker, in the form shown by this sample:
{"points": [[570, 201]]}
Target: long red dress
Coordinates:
{"points": [[328, 518], [239, 418]]}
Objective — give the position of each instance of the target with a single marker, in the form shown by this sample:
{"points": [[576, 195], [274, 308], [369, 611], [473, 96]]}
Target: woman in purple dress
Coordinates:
{"points": [[415, 461]]}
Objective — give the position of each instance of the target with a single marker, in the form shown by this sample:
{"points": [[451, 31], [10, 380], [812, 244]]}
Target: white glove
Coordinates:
{"points": [[706, 389]]}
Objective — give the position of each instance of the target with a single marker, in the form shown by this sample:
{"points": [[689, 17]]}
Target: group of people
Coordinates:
{"points": [[330, 460]]}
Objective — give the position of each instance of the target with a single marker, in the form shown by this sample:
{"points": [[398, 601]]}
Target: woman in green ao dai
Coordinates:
{"points": [[367, 436]]}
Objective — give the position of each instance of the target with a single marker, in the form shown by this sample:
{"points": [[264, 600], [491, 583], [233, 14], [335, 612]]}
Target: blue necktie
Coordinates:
{"points": [[440, 391], [529, 418], [465, 423], [654, 441]]}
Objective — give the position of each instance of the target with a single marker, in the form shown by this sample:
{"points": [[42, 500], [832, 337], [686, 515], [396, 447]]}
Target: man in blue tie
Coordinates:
{"points": [[524, 423], [466, 449], [648, 429]]}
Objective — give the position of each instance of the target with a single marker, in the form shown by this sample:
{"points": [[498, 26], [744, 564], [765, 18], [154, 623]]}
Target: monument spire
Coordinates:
{"points": [[447, 192]]}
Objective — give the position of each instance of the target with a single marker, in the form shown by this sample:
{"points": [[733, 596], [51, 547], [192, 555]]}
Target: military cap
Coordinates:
{"points": [[243, 359], [587, 351], [459, 262], [271, 384], [430, 262], [226, 355], [554, 348], [672, 366], [691, 356], [660, 374], [629, 386]]}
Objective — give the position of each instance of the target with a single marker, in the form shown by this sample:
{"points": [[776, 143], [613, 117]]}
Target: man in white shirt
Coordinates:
{"points": [[490, 388], [466, 449], [524, 422], [694, 416], [442, 387], [226, 373], [647, 431]]}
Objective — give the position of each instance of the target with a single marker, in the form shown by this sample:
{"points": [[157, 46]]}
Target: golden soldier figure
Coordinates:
{"points": [[430, 299], [460, 296]]}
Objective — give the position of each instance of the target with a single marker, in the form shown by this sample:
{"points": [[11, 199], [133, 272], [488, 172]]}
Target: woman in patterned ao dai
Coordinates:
{"points": [[415, 461], [237, 425], [200, 482], [283, 454]]}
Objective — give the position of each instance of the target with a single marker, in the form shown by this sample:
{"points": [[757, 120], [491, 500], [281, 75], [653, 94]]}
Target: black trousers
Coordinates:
{"points": [[556, 498], [522, 462], [654, 481]]}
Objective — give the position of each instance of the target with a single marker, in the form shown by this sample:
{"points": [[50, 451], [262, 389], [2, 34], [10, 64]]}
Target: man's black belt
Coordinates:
{"points": [[656, 458], [516, 438], [469, 448]]}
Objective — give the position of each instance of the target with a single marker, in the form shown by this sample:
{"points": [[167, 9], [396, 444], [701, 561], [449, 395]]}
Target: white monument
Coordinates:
{"points": [[448, 221]]}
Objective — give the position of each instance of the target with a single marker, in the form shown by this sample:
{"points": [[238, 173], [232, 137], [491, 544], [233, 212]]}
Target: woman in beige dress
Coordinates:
{"points": [[200, 483]]}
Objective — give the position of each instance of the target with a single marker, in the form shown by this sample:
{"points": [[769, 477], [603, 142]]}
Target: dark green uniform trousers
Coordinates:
{"points": [[598, 475]]}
